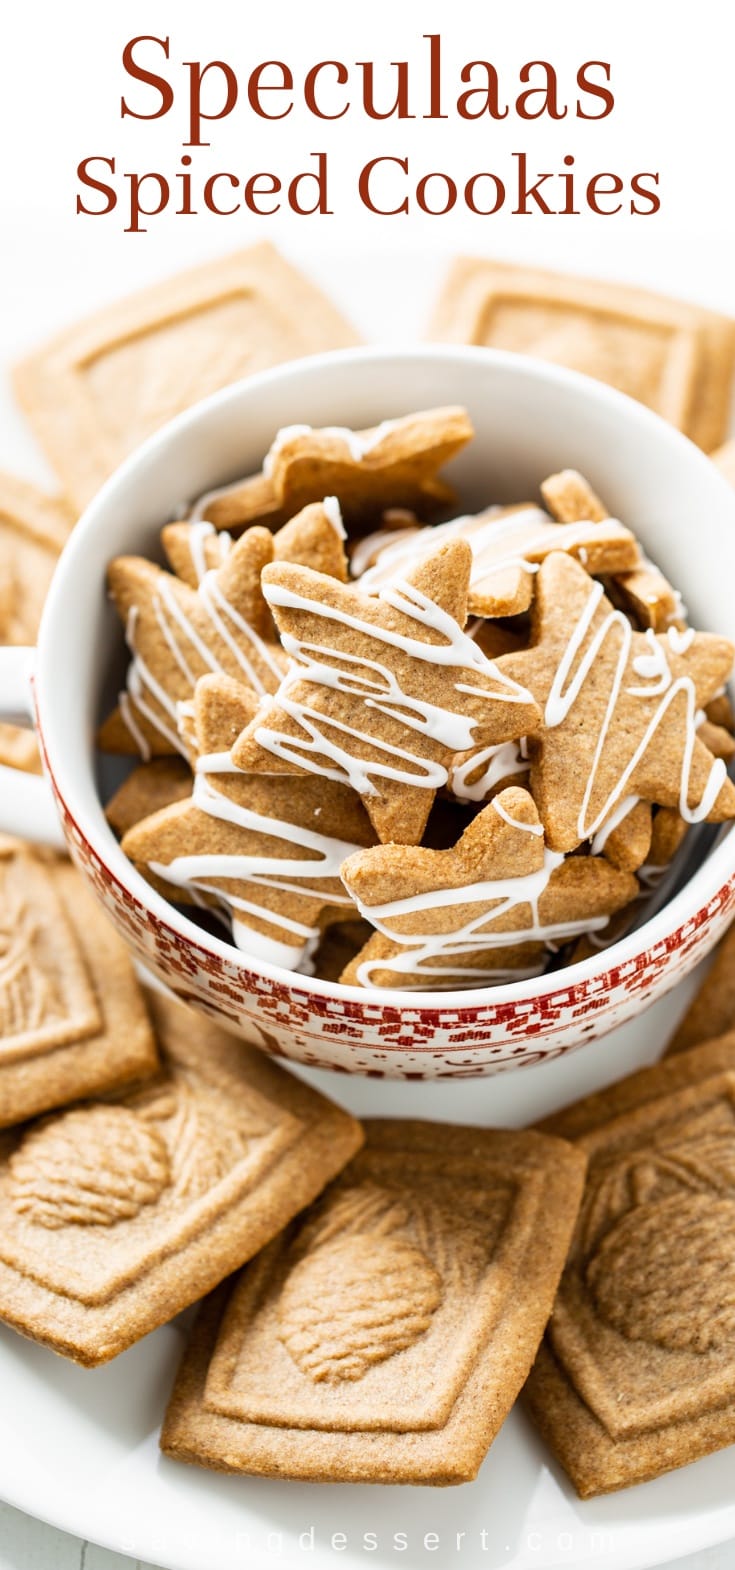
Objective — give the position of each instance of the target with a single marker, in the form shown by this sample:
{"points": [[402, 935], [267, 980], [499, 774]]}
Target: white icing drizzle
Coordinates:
{"points": [[380, 689], [128, 714], [333, 512], [495, 764], [515, 823], [376, 544], [178, 631], [420, 953], [196, 515], [615, 819], [199, 532], [498, 541], [567, 686], [680, 638], [199, 872], [358, 443], [140, 683]]}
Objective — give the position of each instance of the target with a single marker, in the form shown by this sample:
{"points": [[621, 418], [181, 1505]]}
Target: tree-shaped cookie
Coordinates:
{"points": [[383, 691], [176, 634], [394, 464], [620, 709], [266, 851], [484, 911]]}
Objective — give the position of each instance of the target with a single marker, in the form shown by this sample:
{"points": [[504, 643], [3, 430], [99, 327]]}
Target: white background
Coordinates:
{"points": [[60, 101]]}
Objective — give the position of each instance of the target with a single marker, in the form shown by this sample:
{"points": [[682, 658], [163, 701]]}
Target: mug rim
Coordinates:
{"points": [[666, 927]]}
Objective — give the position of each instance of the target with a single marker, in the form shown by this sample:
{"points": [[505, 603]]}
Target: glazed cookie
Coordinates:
{"points": [[176, 634], [382, 691], [265, 851], [486, 910], [394, 464], [620, 711]]}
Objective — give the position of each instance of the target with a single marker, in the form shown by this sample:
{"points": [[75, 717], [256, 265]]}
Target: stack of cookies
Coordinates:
{"points": [[393, 1283], [397, 747], [169, 1154], [447, 753]]}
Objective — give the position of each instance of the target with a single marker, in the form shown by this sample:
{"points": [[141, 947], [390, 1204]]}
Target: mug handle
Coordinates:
{"points": [[27, 806]]}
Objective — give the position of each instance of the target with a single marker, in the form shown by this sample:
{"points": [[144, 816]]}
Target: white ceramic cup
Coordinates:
{"points": [[530, 419]]}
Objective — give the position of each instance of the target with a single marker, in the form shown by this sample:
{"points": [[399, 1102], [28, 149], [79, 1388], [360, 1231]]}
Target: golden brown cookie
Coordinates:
{"points": [[117, 1214], [100, 388], [382, 690], [672, 355], [394, 464], [33, 528], [507, 544], [72, 1019], [266, 852], [313, 538], [620, 710], [176, 634], [384, 1338], [636, 1374], [712, 1009], [146, 790], [486, 910], [640, 587]]}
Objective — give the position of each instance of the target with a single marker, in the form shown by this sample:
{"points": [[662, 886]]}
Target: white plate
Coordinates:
{"points": [[79, 1449]]}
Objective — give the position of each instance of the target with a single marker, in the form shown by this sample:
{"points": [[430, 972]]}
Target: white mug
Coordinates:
{"points": [[531, 419]]}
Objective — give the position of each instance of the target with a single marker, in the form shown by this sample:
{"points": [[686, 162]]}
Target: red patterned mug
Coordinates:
{"points": [[530, 419]]}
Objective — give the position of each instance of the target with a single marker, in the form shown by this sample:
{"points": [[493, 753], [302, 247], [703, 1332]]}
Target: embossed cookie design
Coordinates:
{"points": [[98, 389], [670, 354], [115, 1215], [72, 1017], [636, 1374], [33, 529], [383, 1338]]}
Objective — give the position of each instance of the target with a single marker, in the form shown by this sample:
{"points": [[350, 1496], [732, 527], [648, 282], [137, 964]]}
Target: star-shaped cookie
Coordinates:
{"points": [[507, 544], [620, 710], [394, 464], [314, 538], [382, 691], [176, 634], [483, 911], [266, 851]]}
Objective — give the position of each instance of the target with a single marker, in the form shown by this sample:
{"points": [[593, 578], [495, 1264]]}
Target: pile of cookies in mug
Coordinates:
{"points": [[337, 674]]}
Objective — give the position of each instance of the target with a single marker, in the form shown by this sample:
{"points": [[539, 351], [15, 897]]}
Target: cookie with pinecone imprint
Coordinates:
{"points": [[117, 1214], [384, 1336], [636, 1374]]}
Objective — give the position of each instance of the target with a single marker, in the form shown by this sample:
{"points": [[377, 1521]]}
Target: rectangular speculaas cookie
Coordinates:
{"points": [[712, 1009], [674, 356], [98, 389], [72, 1018], [33, 528], [385, 1337], [119, 1213], [636, 1374]]}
